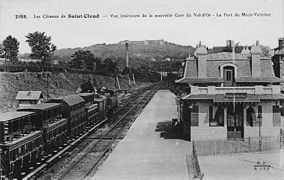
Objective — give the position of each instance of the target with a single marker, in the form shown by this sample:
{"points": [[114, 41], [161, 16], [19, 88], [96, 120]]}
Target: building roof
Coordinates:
{"points": [[216, 60], [70, 100], [14, 115], [42, 106], [225, 56], [238, 49], [29, 95]]}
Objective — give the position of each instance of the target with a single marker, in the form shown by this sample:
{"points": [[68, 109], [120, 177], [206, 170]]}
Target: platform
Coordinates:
{"points": [[148, 151]]}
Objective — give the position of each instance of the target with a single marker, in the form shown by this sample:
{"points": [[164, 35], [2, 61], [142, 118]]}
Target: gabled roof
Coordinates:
{"points": [[14, 115], [70, 100], [29, 95]]}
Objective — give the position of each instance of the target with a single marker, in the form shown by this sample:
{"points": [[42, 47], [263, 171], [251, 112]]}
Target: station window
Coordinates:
{"points": [[194, 116], [218, 119], [251, 117], [276, 116]]}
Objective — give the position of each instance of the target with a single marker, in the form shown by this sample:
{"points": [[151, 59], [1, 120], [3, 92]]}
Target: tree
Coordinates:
{"points": [[11, 48], [266, 51], [84, 60], [41, 46], [110, 67], [1, 50]]}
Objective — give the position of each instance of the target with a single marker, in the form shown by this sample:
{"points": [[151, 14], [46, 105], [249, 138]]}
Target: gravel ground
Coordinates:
{"points": [[241, 166]]}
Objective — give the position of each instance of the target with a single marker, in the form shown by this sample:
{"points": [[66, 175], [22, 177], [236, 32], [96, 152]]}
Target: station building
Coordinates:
{"points": [[232, 95], [28, 98]]}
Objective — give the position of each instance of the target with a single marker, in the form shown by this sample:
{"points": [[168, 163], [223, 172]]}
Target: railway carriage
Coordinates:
{"points": [[91, 108], [73, 108], [52, 123], [37, 131], [112, 101], [100, 100], [20, 142]]}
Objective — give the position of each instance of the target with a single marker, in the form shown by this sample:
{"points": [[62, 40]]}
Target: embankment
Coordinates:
{"points": [[55, 85]]}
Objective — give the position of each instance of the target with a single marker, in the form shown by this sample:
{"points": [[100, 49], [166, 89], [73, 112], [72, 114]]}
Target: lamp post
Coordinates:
{"points": [[259, 131], [1, 164]]}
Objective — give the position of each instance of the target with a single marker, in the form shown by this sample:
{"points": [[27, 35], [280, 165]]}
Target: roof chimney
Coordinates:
{"points": [[245, 51], [201, 54], [255, 60], [229, 43]]}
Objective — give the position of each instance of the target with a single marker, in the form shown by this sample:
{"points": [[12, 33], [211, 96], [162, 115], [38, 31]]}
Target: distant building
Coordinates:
{"points": [[228, 48], [28, 98], [230, 94], [30, 60], [278, 57]]}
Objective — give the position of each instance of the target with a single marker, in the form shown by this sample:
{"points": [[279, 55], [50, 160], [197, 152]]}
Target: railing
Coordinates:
{"points": [[223, 90], [245, 89], [250, 144]]}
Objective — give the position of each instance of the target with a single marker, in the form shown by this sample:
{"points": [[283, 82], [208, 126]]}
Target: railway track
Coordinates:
{"points": [[104, 143], [93, 145]]}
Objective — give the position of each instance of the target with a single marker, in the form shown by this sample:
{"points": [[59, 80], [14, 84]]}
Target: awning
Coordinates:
{"points": [[258, 80], [200, 80], [223, 98], [198, 97]]}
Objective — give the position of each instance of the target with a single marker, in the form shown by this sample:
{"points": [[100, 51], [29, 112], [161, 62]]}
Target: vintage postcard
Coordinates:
{"points": [[141, 89]]}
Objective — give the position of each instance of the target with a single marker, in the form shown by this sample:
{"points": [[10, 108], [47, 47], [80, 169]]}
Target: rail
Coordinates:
{"points": [[66, 151]]}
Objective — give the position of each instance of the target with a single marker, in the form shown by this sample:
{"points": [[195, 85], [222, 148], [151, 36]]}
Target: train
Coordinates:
{"points": [[33, 133]]}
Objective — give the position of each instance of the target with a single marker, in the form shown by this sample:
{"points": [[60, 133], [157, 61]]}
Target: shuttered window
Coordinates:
{"points": [[194, 116], [212, 121], [276, 116], [259, 114]]}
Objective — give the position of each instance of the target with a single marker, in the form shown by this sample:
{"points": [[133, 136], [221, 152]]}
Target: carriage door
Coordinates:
{"points": [[235, 125], [228, 76]]}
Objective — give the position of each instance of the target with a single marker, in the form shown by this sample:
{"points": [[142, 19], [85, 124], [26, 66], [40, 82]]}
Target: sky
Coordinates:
{"points": [[80, 32]]}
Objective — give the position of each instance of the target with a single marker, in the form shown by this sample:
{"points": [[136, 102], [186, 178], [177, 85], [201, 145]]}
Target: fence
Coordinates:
{"points": [[250, 144], [38, 68]]}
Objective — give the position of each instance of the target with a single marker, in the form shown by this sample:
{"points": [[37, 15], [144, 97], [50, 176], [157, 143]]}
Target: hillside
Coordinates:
{"points": [[59, 85], [154, 50], [148, 53]]}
